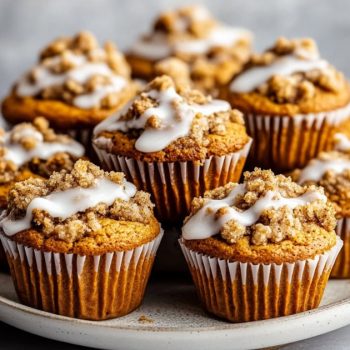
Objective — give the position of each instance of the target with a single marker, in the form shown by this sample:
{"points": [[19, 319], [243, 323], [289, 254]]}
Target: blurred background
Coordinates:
{"points": [[27, 25]]}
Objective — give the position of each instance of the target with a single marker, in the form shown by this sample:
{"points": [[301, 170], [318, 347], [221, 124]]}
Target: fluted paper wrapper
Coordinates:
{"points": [[174, 185], [241, 292], [87, 287], [341, 267], [284, 143]]}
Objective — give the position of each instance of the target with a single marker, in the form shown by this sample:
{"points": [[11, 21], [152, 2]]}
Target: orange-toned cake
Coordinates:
{"points": [[175, 143], [33, 150], [292, 100], [81, 243], [214, 52], [260, 249], [75, 84], [331, 170]]}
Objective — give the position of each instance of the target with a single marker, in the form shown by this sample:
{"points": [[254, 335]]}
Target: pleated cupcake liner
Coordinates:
{"points": [[173, 185], [241, 292], [341, 267], [284, 143], [87, 287]]}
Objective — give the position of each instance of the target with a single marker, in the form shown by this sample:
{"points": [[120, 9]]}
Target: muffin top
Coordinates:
{"points": [[331, 170], [84, 211], [289, 78], [268, 218], [186, 32], [169, 122], [77, 71]]}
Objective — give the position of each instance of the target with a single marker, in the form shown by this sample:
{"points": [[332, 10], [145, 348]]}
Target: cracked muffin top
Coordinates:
{"points": [[289, 78], [268, 218], [172, 122], [85, 211]]}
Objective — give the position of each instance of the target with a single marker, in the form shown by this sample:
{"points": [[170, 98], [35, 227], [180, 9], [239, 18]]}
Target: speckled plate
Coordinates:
{"points": [[171, 318]]}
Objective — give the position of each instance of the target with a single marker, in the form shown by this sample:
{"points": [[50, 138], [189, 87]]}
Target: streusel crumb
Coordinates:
{"points": [[336, 184], [273, 225], [62, 55], [299, 86], [202, 126], [29, 136], [84, 174]]}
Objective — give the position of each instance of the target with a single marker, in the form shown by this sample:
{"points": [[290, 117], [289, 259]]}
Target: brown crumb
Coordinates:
{"points": [[273, 225], [299, 86], [145, 319], [83, 174]]}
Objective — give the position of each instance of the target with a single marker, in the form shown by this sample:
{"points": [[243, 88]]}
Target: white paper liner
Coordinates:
{"points": [[341, 267], [241, 292], [272, 149], [162, 179], [48, 261]]}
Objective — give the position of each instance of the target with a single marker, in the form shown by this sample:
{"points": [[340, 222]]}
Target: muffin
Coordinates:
{"points": [[292, 101], [260, 249], [33, 150], [331, 170], [213, 51], [175, 143], [81, 243], [75, 85]]}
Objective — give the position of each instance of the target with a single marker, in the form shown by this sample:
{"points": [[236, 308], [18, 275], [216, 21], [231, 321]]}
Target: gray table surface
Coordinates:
{"points": [[26, 25]]}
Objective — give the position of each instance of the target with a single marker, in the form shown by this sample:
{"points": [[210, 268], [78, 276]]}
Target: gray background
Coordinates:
{"points": [[27, 25]]}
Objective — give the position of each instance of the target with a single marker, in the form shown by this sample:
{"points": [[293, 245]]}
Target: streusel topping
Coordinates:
{"points": [[165, 112], [69, 205], [269, 208], [289, 72], [38, 147], [79, 72], [331, 170]]}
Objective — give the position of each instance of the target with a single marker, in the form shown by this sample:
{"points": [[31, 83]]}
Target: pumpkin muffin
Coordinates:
{"points": [[175, 143], [33, 150], [75, 85], [260, 249], [293, 102], [331, 170], [214, 52], [81, 243]]}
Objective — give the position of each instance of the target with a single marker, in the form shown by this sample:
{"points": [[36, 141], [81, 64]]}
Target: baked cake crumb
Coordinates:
{"points": [[145, 319]]}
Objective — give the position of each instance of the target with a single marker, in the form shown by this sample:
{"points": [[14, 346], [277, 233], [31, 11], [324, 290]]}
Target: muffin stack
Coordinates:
{"points": [[81, 241]]}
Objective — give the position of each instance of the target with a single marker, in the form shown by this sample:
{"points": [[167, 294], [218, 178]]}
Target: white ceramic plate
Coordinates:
{"points": [[174, 320]]}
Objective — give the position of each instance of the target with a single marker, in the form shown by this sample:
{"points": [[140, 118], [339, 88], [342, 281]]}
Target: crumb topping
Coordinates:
{"points": [[299, 85], [84, 175], [266, 207], [79, 72], [213, 51], [331, 170], [165, 112], [26, 146]]}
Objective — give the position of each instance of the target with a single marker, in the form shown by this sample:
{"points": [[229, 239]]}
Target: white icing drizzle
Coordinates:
{"points": [[158, 46], [286, 65], [63, 204], [316, 168], [176, 118], [203, 224], [43, 150], [342, 142], [81, 73]]}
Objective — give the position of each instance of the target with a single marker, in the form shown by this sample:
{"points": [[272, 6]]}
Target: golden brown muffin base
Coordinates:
{"points": [[60, 115], [317, 241], [238, 302], [93, 292], [341, 267], [113, 236]]}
